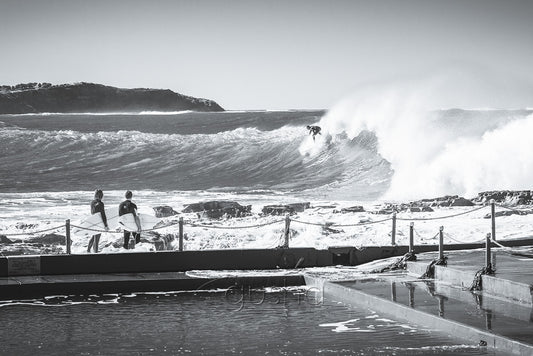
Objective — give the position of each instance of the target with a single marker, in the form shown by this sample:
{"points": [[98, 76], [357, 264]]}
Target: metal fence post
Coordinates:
{"points": [[180, 234], [441, 243], [412, 237], [493, 218], [487, 252], [393, 233], [287, 230], [67, 235]]}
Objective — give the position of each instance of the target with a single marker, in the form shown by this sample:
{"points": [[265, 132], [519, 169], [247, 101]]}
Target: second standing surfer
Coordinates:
{"points": [[127, 207]]}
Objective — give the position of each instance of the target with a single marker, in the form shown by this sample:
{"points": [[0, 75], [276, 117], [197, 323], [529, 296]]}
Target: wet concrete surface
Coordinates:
{"points": [[514, 264], [473, 310]]}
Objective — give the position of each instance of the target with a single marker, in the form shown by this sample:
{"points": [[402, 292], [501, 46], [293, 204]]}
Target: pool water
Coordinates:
{"points": [[259, 322]]}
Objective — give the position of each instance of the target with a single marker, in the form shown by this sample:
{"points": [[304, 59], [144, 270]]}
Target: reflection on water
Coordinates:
{"points": [[248, 322]]}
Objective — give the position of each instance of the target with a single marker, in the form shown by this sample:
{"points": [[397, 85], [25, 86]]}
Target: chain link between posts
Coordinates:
{"points": [[34, 232], [514, 209], [192, 224], [236, 227], [241, 227], [443, 217]]}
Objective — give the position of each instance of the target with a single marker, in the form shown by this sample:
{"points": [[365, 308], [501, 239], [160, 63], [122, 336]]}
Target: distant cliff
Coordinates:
{"points": [[88, 97]]}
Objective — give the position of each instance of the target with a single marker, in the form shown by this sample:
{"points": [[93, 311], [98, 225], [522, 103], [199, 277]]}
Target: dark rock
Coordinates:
{"points": [[24, 226], [509, 213], [353, 209], [277, 210], [118, 243], [218, 209], [420, 209], [283, 209], [384, 211], [300, 207], [48, 239], [327, 229], [160, 242], [89, 97], [508, 197], [460, 201], [164, 211], [5, 240], [448, 200]]}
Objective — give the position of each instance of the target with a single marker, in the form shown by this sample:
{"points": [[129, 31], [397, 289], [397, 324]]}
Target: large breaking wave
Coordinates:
{"points": [[433, 153], [233, 158], [384, 145]]}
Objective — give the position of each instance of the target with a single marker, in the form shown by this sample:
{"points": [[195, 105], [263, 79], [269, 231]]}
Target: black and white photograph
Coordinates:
{"points": [[266, 177]]}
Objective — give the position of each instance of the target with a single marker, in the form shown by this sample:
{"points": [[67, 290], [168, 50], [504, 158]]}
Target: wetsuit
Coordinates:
{"points": [[97, 206], [127, 207], [314, 130]]}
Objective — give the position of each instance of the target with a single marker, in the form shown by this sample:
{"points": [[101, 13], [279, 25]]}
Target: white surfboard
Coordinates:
{"points": [[127, 222], [95, 222]]}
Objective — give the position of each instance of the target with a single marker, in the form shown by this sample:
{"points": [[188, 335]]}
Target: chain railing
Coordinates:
{"points": [[286, 234]]}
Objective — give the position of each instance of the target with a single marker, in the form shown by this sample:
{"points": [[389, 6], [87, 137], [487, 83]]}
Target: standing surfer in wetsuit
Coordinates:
{"points": [[127, 207], [314, 130], [97, 206]]}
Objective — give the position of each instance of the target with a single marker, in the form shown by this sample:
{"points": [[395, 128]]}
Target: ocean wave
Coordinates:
{"points": [[434, 153], [382, 145], [245, 158]]}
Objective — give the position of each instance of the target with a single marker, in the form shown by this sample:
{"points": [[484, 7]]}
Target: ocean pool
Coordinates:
{"points": [[236, 321]]}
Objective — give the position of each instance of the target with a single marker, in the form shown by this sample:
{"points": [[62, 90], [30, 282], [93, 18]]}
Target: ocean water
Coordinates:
{"points": [[358, 156], [367, 153], [50, 165], [258, 322]]}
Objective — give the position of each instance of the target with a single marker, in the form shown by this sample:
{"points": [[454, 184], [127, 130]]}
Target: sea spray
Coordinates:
{"points": [[436, 152]]}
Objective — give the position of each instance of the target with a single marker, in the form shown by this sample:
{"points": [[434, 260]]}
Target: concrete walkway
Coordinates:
{"points": [[499, 316]]}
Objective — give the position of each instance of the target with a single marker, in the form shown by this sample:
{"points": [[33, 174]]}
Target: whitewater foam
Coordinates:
{"points": [[434, 153]]}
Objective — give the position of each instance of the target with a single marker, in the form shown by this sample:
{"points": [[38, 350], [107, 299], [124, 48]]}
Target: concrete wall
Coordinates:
{"points": [[22, 288], [163, 261], [519, 292], [175, 261]]}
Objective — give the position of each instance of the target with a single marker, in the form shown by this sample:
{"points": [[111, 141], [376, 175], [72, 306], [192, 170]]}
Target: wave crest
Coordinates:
{"points": [[434, 153]]}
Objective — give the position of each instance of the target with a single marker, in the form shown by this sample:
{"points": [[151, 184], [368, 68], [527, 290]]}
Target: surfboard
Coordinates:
{"points": [[127, 222], [95, 222]]}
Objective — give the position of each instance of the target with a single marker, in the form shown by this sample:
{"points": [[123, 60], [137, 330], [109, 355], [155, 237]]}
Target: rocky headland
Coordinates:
{"points": [[95, 98]]}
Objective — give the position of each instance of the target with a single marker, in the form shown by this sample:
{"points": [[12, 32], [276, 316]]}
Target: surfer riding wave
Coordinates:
{"points": [[314, 130]]}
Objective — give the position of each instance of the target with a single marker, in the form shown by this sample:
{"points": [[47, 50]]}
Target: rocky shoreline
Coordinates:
{"points": [[518, 202], [231, 209]]}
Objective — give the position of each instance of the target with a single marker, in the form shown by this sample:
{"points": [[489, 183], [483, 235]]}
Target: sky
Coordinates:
{"points": [[276, 55]]}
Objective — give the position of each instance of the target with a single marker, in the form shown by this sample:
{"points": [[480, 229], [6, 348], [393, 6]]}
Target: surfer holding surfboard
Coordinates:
{"points": [[97, 206], [128, 207]]}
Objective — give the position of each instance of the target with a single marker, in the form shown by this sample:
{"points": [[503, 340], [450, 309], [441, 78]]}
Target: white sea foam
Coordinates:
{"points": [[430, 157]]}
